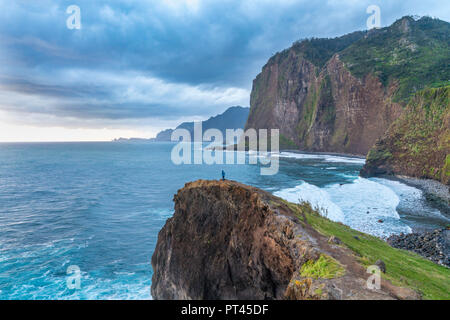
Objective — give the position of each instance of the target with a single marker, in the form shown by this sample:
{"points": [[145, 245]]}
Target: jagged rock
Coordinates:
{"points": [[231, 241]]}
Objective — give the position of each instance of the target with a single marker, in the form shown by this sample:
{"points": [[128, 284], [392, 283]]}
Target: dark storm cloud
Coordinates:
{"points": [[161, 59], [27, 87]]}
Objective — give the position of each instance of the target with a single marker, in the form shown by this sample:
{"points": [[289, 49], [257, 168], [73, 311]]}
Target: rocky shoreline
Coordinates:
{"points": [[434, 245], [435, 191]]}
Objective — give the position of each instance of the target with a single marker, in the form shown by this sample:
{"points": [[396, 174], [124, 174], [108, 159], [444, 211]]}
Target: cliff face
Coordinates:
{"points": [[418, 143], [329, 111], [341, 95], [231, 241]]}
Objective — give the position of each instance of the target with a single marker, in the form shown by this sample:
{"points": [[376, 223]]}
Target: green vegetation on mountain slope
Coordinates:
{"points": [[342, 94], [418, 143], [415, 54], [320, 50]]}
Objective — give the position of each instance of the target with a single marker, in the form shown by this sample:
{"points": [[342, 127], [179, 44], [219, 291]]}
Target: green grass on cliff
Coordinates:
{"points": [[446, 168], [286, 143], [403, 268], [418, 143], [325, 268]]}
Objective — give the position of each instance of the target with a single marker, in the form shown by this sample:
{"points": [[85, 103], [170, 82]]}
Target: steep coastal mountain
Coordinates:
{"points": [[232, 118], [342, 94], [227, 240], [163, 135], [418, 143]]}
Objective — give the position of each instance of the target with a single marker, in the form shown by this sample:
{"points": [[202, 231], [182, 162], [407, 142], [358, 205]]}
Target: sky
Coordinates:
{"points": [[135, 67]]}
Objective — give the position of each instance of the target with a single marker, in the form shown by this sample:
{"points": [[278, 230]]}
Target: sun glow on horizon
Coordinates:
{"points": [[27, 133]]}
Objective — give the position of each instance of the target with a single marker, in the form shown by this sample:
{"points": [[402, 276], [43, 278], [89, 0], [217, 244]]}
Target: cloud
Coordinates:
{"points": [[128, 95], [160, 60]]}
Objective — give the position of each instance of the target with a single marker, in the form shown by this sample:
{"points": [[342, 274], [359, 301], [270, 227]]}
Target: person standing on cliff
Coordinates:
{"points": [[223, 175]]}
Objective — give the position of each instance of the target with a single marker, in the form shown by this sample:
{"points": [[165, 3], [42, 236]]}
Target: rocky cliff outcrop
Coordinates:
{"points": [[342, 94], [330, 111], [418, 143], [231, 241]]}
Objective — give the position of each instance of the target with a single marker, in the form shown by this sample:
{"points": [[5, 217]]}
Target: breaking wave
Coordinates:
{"points": [[365, 205]]}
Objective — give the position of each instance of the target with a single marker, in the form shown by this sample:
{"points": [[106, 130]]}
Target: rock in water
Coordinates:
{"points": [[231, 241]]}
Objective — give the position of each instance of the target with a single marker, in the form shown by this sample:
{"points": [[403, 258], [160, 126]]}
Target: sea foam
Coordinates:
{"points": [[322, 157], [364, 205]]}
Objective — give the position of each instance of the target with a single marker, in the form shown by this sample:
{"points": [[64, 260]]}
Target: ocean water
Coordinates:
{"points": [[100, 206]]}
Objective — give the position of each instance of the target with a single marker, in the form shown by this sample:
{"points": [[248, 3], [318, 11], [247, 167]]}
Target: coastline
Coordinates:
{"points": [[436, 193], [348, 155]]}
